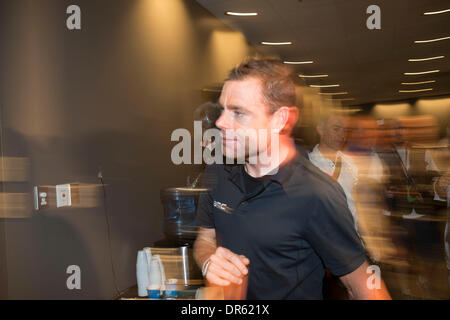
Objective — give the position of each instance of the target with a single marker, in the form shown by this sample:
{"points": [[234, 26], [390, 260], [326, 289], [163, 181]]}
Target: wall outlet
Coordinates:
{"points": [[63, 196]]}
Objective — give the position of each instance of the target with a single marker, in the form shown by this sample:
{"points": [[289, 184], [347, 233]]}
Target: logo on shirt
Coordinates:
{"points": [[223, 207]]}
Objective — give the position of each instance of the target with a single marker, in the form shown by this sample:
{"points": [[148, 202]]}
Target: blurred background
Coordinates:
{"points": [[95, 108]]}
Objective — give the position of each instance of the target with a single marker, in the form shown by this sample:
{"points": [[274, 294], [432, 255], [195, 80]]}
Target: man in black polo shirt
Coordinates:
{"points": [[280, 222]]}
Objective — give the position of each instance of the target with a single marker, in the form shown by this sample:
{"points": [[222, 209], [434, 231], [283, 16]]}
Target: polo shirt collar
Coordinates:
{"points": [[284, 172], [235, 175], [282, 176]]}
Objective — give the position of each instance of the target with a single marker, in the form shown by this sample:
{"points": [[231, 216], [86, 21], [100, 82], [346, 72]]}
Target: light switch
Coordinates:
{"points": [[41, 197]]}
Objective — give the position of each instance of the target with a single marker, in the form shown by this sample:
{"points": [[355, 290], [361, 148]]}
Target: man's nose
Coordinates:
{"points": [[222, 122], [342, 132]]}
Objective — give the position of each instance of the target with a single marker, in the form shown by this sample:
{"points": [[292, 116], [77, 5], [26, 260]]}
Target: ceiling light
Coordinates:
{"points": [[323, 85], [313, 76], [276, 43], [431, 40], [418, 90], [341, 99], [426, 59], [436, 12], [332, 93], [241, 14], [347, 110], [422, 72], [420, 82], [298, 62]]}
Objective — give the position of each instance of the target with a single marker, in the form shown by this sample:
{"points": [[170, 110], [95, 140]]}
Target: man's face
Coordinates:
{"points": [[333, 133], [243, 109], [365, 133]]}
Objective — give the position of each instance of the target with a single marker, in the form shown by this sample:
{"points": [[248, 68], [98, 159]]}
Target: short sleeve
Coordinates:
{"points": [[204, 217], [331, 233]]}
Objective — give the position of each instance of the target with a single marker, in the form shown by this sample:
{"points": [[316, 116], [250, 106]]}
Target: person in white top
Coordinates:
{"points": [[359, 179], [329, 158]]}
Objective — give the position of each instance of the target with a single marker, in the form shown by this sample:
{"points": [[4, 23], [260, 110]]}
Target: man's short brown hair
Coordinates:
{"points": [[278, 86]]}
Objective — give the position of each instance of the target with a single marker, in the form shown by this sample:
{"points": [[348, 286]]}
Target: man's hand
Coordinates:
{"points": [[226, 267]]}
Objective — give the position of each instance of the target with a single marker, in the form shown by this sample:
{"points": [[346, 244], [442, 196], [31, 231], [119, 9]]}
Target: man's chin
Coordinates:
{"points": [[232, 154]]}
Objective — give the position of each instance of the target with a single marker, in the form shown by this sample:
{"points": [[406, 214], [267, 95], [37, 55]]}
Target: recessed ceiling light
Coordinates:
{"points": [[276, 43], [341, 99], [332, 93], [436, 12], [426, 59], [422, 72], [418, 90], [313, 76], [298, 62], [420, 82], [431, 40], [324, 85], [241, 14], [353, 110]]}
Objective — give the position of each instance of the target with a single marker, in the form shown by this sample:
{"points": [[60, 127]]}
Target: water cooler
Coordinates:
{"points": [[180, 230]]}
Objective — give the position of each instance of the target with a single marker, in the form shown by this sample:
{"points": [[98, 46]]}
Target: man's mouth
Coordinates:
{"points": [[228, 138], [229, 141]]}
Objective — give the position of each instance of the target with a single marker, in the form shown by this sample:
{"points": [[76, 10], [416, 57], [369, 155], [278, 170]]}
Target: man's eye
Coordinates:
{"points": [[238, 114]]}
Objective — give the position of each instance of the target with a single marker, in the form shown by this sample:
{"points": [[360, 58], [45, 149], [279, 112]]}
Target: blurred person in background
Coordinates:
{"points": [[441, 157], [420, 204], [394, 185], [361, 146], [328, 156], [369, 190], [371, 146], [419, 152]]}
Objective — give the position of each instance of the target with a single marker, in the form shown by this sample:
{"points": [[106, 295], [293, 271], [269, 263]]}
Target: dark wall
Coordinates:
{"points": [[104, 98], [3, 268]]}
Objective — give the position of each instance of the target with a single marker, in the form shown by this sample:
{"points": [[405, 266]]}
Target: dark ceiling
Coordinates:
{"points": [[368, 64]]}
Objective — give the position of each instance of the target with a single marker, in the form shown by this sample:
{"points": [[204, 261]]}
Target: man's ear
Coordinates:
{"points": [[292, 120], [281, 118]]}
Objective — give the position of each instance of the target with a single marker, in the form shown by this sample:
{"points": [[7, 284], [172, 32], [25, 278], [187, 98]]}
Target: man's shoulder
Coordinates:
{"points": [[311, 177]]}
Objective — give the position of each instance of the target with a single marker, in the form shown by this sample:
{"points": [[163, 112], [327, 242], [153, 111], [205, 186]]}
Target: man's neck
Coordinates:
{"points": [[287, 151], [327, 152]]}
